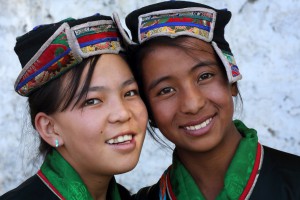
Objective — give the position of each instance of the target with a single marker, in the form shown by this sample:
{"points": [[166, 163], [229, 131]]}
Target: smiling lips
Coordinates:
{"points": [[122, 139], [198, 126]]}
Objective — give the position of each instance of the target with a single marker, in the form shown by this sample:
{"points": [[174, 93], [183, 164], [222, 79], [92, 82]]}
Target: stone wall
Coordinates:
{"points": [[264, 36]]}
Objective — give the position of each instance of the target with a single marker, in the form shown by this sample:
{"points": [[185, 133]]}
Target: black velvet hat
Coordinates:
{"points": [[50, 50], [178, 18]]}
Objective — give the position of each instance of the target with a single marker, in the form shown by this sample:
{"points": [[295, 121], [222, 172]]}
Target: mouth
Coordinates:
{"points": [[198, 126], [122, 139]]}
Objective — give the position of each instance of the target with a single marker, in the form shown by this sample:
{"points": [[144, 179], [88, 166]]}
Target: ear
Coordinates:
{"points": [[45, 124], [234, 89]]}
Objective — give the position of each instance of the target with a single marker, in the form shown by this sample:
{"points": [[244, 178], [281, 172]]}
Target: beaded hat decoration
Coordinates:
{"points": [[50, 50], [183, 18]]}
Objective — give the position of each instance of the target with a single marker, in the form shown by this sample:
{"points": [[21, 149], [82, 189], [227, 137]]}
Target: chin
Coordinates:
{"points": [[126, 164], [125, 168]]}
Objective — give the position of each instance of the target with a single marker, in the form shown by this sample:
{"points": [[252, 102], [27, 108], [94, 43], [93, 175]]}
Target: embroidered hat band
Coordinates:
{"points": [[50, 50], [183, 18], [196, 22]]}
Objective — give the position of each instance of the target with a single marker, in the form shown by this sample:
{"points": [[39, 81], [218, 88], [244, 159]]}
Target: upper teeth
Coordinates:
{"points": [[198, 126], [122, 138]]}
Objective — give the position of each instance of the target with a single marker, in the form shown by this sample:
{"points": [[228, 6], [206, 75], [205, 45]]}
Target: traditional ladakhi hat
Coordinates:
{"points": [[48, 51], [183, 18]]}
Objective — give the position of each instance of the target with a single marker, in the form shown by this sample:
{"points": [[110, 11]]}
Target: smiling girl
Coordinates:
{"points": [[84, 104], [188, 77]]}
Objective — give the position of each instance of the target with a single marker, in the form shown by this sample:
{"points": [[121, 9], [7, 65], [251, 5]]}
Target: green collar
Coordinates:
{"points": [[239, 178], [65, 182]]}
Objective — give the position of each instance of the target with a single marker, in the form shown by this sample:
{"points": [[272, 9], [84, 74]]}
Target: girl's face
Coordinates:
{"points": [[189, 96], [103, 135]]}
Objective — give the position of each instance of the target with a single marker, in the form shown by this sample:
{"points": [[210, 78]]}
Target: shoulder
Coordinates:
{"points": [[33, 188], [148, 193], [281, 166], [279, 176], [281, 160]]}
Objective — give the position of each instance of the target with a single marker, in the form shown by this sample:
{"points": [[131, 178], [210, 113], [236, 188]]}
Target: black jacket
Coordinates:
{"points": [[279, 179], [34, 189]]}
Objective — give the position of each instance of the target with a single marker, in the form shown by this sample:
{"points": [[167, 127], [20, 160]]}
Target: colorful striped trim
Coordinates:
{"points": [[195, 22], [234, 68], [66, 48], [49, 185], [166, 192], [163, 186], [229, 63], [254, 174], [169, 188]]}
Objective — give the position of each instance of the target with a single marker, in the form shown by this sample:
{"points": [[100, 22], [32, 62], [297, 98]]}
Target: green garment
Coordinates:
{"points": [[67, 181], [236, 178]]}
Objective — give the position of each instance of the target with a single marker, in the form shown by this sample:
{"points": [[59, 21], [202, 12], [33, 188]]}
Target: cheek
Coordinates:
{"points": [[221, 96], [91, 124], [163, 112], [139, 110]]}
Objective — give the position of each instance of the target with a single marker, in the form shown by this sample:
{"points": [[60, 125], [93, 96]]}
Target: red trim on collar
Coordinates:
{"points": [[254, 174], [169, 188], [49, 185]]}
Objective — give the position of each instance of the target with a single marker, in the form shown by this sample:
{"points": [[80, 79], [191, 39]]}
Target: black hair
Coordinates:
{"points": [[136, 56], [53, 97]]}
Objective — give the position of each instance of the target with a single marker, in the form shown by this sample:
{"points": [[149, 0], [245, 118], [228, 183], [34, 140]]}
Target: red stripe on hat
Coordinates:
{"points": [[182, 19], [48, 55], [96, 36]]}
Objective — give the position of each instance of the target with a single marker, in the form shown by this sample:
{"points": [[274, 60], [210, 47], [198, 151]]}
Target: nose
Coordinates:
{"points": [[119, 112], [192, 99]]}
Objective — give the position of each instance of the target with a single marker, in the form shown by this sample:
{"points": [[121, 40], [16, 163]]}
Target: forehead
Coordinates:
{"points": [[194, 44], [169, 60], [187, 43], [184, 49], [164, 48], [109, 69]]}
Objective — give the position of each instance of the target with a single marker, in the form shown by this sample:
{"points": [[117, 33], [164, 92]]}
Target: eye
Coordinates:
{"points": [[131, 93], [166, 90], [90, 102], [205, 76]]}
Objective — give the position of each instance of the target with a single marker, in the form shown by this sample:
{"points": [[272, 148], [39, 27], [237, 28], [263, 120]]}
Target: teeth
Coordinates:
{"points": [[198, 126], [120, 139]]}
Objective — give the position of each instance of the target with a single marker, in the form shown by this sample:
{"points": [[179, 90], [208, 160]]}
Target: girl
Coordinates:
{"points": [[85, 105], [188, 76]]}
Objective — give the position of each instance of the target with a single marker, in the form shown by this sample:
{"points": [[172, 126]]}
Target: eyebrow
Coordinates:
{"points": [[164, 78], [128, 82], [102, 88]]}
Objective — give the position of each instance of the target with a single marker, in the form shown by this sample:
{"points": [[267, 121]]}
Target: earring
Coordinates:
{"points": [[56, 143]]}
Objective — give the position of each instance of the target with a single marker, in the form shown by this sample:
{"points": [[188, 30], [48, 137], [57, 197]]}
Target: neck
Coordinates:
{"points": [[71, 181], [208, 169], [97, 186]]}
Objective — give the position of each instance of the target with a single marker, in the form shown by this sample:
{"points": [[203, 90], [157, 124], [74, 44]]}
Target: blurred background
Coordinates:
{"points": [[264, 37]]}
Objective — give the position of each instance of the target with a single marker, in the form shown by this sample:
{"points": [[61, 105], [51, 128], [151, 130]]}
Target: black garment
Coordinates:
{"points": [[279, 179], [34, 189]]}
